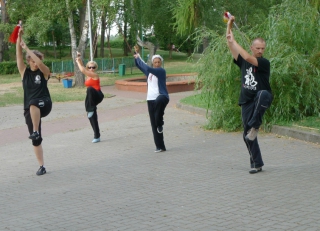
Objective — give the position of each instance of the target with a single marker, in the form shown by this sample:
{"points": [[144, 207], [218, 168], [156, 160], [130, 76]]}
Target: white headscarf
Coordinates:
{"points": [[157, 56]]}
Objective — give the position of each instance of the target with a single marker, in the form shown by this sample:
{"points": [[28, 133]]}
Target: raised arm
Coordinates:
{"points": [[235, 48], [84, 70], [43, 68], [21, 65]]}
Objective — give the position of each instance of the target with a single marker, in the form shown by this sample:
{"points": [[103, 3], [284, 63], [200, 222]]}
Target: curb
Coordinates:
{"points": [[312, 137], [299, 134]]}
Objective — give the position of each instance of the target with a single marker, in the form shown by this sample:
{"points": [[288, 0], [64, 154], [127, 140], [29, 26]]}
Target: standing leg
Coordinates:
{"points": [[37, 147], [39, 154], [256, 161], [95, 126], [158, 137], [93, 98]]}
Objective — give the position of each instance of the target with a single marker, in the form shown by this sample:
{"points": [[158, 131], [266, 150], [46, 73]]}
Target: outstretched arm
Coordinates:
{"points": [[21, 65], [235, 48]]}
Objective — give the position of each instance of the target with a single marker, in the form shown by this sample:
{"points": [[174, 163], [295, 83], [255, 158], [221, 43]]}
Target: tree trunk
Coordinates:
{"points": [[54, 45], [95, 44], [125, 43], [170, 50], [102, 33], [4, 20], [108, 41], [79, 77]]}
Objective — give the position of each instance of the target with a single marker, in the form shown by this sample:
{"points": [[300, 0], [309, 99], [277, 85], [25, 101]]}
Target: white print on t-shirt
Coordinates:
{"points": [[250, 83], [37, 79]]}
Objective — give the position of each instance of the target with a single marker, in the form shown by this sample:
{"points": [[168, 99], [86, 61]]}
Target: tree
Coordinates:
{"points": [[289, 29], [3, 28], [79, 77]]}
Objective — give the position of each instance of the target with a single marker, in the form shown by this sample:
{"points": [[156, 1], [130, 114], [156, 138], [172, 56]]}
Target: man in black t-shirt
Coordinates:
{"points": [[256, 95]]}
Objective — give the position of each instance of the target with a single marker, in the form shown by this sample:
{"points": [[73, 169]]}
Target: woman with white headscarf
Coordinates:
{"points": [[157, 96]]}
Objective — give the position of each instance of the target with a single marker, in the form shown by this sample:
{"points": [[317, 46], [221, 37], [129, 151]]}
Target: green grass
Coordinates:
{"points": [[11, 92], [13, 97], [4, 79], [195, 101]]}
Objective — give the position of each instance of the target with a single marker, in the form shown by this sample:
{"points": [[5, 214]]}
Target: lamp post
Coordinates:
{"points": [[89, 13]]}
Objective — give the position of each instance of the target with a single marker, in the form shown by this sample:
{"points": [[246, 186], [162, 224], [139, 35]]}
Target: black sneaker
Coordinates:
{"points": [[160, 129], [41, 171], [34, 136], [255, 170]]}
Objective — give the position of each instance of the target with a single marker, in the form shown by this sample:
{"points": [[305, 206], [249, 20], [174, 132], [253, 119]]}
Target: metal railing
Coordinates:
{"points": [[104, 65]]}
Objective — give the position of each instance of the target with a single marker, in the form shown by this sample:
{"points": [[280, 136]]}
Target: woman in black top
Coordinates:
{"points": [[37, 101]]}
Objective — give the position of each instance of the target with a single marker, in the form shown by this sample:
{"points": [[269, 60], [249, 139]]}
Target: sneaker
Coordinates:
{"points": [[90, 114], [41, 171], [255, 170], [159, 150], [34, 136], [96, 140], [160, 129], [252, 134]]}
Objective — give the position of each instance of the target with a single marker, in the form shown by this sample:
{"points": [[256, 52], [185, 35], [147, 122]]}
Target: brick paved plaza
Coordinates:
{"points": [[201, 183]]}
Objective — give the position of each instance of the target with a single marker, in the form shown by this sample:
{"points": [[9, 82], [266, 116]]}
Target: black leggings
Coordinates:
{"points": [[156, 111], [93, 98], [45, 106]]}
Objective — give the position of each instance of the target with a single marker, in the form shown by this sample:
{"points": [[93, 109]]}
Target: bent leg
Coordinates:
{"points": [[93, 98], [35, 117], [160, 105], [262, 102]]}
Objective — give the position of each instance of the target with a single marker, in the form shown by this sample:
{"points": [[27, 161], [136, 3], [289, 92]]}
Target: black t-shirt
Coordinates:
{"points": [[34, 86], [253, 79]]}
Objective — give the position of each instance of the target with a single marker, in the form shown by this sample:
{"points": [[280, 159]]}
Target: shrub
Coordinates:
{"points": [[290, 31]]}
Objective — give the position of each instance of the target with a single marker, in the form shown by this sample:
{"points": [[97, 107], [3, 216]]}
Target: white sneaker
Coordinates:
{"points": [[96, 140], [255, 170], [90, 114]]}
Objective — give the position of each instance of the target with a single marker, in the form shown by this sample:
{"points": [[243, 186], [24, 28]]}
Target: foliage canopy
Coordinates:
{"points": [[290, 30]]}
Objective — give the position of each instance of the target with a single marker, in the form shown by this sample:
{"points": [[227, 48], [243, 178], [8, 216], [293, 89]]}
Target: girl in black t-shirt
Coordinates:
{"points": [[37, 101]]}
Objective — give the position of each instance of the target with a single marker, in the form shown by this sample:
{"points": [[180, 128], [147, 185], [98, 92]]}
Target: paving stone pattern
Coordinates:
{"points": [[200, 183]]}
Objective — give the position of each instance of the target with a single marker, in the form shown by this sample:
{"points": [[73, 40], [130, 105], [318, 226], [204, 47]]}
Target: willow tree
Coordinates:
{"points": [[290, 30], [188, 15]]}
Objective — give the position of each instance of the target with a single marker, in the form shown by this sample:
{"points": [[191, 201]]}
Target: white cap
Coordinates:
{"points": [[157, 56]]}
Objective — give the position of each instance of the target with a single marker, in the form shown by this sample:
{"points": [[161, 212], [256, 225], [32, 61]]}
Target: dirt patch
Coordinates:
{"points": [[7, 87]]}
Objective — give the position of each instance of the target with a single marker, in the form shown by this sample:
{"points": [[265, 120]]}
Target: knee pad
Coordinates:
{"points": [[37, 142]]}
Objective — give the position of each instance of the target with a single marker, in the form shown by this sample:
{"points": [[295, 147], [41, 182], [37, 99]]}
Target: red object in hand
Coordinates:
{"points": [[226, 17], [14, 35]]}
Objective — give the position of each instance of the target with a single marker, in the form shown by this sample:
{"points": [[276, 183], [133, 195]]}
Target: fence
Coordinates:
{"points": [[104, 65]]}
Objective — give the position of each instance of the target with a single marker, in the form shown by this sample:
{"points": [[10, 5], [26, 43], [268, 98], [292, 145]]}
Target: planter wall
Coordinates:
{"points": [[175, 83]]}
